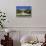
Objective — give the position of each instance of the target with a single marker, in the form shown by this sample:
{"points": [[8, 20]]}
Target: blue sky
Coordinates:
{"points": [[23, 7]]}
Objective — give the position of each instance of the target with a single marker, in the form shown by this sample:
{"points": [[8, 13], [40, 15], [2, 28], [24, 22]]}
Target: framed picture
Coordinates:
{"points": [[23, 10]]}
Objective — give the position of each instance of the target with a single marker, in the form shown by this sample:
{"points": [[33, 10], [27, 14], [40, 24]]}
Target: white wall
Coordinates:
{"points": [[38, 18]]}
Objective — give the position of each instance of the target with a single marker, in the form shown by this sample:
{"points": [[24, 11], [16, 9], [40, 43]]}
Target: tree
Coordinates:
{"points": [[2, 19]]}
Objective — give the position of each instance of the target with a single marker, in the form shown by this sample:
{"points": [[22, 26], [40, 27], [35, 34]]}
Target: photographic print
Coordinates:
{"points": [[23, 10]]}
